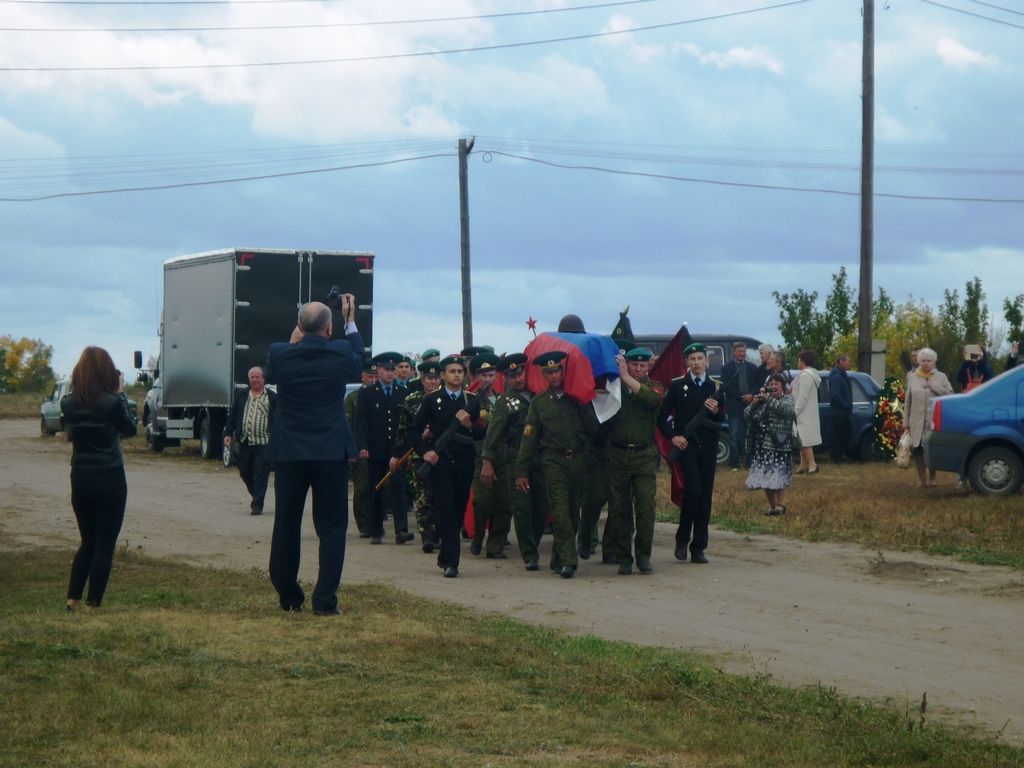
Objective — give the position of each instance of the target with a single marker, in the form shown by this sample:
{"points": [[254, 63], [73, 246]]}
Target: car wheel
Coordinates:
{"points": [[44, 430], [154, 442], [996, 472], [723, 448], [869, 448]]}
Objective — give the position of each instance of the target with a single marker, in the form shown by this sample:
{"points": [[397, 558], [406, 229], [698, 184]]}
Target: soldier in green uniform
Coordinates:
{"points": [[358, 471], [559, 428], [423, 505], [501, 451], [428, 356], [631, 463], [490, 500]]}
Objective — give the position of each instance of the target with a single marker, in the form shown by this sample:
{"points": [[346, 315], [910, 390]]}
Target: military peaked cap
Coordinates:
{"points": [[369, 367], [485, 361], [387, 358], [429, 368], [513, 362], [549, 361], [431, 353], [639, 354], [452, 360], [471, 351]]}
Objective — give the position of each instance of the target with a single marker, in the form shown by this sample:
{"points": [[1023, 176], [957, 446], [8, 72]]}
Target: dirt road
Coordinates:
{"points": [[803, 612]]}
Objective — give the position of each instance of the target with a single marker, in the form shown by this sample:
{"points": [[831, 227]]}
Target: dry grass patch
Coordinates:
{"points": [[878, 505], [198, 667]]}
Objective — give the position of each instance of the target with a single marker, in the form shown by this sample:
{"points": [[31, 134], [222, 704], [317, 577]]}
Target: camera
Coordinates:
{"points": [[973, 352], [334, 298]]}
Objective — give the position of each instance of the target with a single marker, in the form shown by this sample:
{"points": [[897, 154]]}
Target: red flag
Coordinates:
{"points": [[579, 375], [671, 365]]}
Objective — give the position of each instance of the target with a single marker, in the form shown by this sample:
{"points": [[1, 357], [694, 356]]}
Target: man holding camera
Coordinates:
{"points": [[310, 447]]}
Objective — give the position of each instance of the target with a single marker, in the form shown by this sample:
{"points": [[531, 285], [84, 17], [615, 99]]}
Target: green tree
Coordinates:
{"points": [[804, 326], [28, 363], [1013, 313], [6, 378]]}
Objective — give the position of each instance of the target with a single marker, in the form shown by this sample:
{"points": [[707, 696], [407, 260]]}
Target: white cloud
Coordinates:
{"points": [[890, 128], [18, 143], [627, 41], [957, 55], [754, 57]]}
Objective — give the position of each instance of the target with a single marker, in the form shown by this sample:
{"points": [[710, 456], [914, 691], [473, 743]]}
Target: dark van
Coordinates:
{"points": [[719, 347]]}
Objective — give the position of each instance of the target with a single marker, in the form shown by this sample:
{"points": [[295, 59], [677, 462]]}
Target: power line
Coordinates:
{"points": [[223, 181], [415, 54], [998, 7], [975, 15], [508, 14], [718, 182]]}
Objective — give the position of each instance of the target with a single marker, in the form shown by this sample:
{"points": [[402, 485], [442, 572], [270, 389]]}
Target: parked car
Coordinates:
{"points": [[51, 419], [980, 434], [862, 436]]}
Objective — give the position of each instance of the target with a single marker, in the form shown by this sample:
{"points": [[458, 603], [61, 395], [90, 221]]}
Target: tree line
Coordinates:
{"points": [[833, 329], [25, 365]]}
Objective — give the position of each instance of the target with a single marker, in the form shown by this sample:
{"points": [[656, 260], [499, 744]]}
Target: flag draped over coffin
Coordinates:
{"points": [[671, 365], [591, 359]]}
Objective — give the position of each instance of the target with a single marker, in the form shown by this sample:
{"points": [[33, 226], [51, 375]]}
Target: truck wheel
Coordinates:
{"points": [[206, 449], [996, 471], [154, 442], [723, 448]]}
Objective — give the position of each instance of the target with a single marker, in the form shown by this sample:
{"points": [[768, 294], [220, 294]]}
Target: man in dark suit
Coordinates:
{"points": [[686, 397], [310, 447], [378, 409], [741, 383], [249, 420], [452, 475]]}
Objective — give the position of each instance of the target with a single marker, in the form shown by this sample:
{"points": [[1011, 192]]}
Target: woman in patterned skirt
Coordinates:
{"points": [[770, 416]]}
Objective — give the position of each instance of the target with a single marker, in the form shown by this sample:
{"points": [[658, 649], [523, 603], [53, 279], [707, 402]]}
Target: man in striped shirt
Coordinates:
{"points": [[249, 419]]}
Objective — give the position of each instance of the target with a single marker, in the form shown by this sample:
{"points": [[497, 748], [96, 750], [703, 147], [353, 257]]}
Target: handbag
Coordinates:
{"points": [[903, 451], [797, 443], [782, 438]]}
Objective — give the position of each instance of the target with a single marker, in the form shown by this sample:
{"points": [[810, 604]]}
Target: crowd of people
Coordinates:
{"points": [[467, 432]]}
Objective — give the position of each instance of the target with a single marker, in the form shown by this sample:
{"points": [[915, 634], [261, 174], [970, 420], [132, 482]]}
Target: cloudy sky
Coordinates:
{"points": [[733, 105]]}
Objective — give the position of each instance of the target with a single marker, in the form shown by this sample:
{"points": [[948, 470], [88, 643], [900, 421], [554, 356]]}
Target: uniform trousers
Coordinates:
{"points": [[426, 518], [737, 440], [98, 497], [255, 472], [329, 482], [360, 494], [450, 481], [492, 510], [563, 479], [530, 509], [698, 464], [841, 432], [595, 496], [376, 469], [632, 485]]}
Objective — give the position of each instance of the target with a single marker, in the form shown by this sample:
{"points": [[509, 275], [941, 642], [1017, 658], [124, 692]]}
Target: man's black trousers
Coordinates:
{"points": [[451, 480], [255, 473], [698, 465], [841, 432], [329, 483], [399, 502]]}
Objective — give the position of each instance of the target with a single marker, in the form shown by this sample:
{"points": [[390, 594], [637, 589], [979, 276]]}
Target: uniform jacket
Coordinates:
{"points": [[840, 392], [437, 412], [684, 400], [410, 406], [734, 390], [636, 421], [233, 426], [555, 423], [309, 422], [376, 419], [505, 428]]}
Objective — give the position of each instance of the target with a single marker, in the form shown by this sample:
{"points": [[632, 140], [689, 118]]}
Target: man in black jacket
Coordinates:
{"points": [[840, 407], [378, 409], [686, 397], [741, 383], [249, 421]]}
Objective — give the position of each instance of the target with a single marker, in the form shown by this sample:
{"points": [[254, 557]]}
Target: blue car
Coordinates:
{"points": [[980, 434]]}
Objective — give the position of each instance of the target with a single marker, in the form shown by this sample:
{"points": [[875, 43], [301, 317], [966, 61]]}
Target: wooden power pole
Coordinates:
{"points": [[867, 191], [465, 147]]}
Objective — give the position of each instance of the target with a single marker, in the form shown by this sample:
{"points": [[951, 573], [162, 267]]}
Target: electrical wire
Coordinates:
{"points": [[508, 14], [975, 15], [718, 182], [408, 55], [998, 7]]}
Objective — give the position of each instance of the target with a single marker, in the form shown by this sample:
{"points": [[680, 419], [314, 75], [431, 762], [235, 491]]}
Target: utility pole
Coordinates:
{"points": [[465, 147], [867, 190]]}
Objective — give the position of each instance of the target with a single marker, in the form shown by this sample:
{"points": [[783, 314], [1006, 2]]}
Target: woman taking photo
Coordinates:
{"points": [[96, 412], [922, 385], [808, 422], [770, 416]]}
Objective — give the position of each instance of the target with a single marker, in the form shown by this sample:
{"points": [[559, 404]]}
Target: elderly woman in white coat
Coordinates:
{"points": [[923, 384], [808, 422]]}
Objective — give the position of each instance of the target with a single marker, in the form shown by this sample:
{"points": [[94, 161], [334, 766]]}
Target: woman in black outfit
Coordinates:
{"points": [[95, 413]]}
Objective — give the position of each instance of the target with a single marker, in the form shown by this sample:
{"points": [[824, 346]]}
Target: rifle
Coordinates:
{"points": [[424, 470], [401, 461], [701, 416]]}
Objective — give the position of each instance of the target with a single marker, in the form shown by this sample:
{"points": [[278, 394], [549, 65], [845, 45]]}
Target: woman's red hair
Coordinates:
{"points": [[94, 376]]}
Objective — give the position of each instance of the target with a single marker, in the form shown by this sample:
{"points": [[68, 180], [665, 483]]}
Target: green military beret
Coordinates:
{"points": [[485, 361], [639, 354], [549, 361], [513, 362], [387, 358], [429, 368], [624, 344], [471, 351], [695, 347], [431, 353], [452, 360]]}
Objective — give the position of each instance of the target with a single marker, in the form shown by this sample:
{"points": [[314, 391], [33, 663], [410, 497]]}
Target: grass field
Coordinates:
{"points": [[198, 667]]}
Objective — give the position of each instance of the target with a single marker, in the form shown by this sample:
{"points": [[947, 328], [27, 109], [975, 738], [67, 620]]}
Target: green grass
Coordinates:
{"points": [[189, 666]]}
